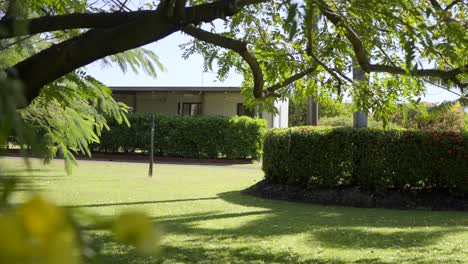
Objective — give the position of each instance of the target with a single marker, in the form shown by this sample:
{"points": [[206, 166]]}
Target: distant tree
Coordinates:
{"points": [[431, 116]]}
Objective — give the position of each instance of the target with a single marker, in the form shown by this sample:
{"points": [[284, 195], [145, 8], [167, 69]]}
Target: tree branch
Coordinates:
{"points": [[70, 21], [272, 89], [60, 59], [436, 4], [200, 13], [11, 10], [452, 4], [364, 62], [236, 45]]}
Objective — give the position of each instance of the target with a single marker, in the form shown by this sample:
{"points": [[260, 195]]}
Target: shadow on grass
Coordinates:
{"points": [[16, 171], [114, 252], [334, 227], [119, 253], [330, 227], [141, 202], [25, 183]]}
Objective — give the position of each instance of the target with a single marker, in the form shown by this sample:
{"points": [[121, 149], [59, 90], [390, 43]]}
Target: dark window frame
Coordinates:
{"points": [[181, 109]]}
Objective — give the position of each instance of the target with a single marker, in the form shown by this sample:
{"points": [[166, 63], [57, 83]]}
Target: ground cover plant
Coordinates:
{"points": [[205, 218]]}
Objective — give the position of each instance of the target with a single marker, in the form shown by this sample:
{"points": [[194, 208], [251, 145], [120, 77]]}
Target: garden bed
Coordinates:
{"points": [[353, 196]]}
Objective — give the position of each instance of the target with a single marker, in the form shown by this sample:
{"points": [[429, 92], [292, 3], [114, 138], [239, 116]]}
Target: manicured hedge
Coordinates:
{"points": [[195, 137], [370, 158]]}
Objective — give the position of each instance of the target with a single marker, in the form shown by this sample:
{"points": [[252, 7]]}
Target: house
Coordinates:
{"points": [[194, 101]]}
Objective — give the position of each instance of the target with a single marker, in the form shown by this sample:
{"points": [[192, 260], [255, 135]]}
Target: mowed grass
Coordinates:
{"points": [[205, 219]]}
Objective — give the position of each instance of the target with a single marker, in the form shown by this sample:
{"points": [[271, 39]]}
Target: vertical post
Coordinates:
{"points": [[150, 172]]}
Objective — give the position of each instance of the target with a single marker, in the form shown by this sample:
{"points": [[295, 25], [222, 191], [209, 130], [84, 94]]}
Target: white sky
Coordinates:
{"points": [[180, 72]]}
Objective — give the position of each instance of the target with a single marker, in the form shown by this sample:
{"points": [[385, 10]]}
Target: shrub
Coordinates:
{"points": [[369, 158], [195, 137], [430, 116]]}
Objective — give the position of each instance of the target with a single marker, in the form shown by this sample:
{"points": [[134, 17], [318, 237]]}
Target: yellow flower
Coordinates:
{"points": [[136, 229], [53, 239], [40, 218], [13, 247], [61, 248]]}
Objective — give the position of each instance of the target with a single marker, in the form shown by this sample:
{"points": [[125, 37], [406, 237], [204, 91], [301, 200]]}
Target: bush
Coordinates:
{"points": [[194, 137], [370, 158], [430, 116]]}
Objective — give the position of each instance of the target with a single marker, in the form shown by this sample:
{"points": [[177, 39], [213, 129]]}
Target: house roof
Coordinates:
{"points": [[175, 88]]}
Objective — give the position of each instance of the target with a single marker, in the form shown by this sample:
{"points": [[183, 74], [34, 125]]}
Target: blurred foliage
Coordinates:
{"points": [[465, 126], [37, 231], [68, 115]]}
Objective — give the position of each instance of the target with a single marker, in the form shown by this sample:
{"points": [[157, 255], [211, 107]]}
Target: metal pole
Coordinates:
{"points": [[150, 172]]}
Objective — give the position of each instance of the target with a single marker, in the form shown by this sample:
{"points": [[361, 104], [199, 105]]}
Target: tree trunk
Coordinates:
{"points": [[360, 119], [312, 112]]}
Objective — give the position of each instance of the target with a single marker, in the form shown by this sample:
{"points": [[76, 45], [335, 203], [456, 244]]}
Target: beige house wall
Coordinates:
{"points": [[128, 99], [167, 103], [164, 103], [224, 104], [213, 103]]}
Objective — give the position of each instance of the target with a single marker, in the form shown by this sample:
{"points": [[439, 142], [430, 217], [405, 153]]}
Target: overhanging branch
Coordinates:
{"points": [[149, 26], [63, 22], [272, 89], [233, 44], [364, 62], [241, 48], [195, 14]]}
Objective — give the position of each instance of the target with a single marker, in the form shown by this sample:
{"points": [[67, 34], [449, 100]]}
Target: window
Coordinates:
{"points": [[190, 109], [244, 111]]}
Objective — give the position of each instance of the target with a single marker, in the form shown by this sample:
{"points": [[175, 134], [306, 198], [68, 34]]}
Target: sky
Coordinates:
{"points": [[180, 72]]}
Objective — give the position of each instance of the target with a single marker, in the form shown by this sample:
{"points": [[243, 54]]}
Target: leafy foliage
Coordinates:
{"points": [[328, 107], [289, 36], [136, 60], [371, 159], [427, 116], [70, 114]]}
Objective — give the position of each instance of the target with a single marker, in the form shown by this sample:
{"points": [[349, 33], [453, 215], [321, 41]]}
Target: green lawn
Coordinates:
{"points": [[206, 220]]}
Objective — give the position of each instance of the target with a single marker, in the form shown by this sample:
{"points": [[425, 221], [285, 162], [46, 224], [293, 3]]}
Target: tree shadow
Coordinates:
{"points": [[24, 183], [141, 202], [359, 239], [116, 252], [333, 226], [26, 170]]}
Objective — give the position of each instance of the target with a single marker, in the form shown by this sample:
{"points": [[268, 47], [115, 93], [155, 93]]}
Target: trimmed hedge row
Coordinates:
{"points": [[370, 158], [194, 137]]}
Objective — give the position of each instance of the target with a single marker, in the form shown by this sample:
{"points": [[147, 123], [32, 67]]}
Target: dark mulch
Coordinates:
{"points": [[353, 196]]}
